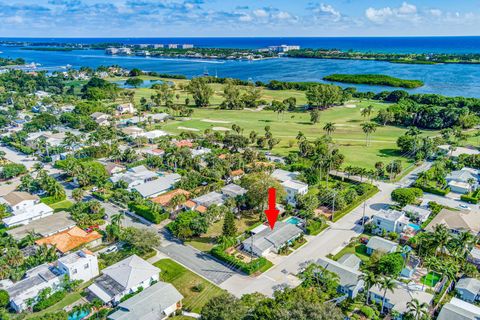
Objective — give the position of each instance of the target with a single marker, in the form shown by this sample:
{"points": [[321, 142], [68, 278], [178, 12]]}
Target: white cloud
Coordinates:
{"points": [[260, 13], [245, 18], [406, 11], [14, 19], [282, 15], [435, 12], [327, 11]]}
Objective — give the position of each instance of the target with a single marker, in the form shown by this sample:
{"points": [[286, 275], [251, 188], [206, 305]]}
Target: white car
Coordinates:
{"points": [[464, 207]]}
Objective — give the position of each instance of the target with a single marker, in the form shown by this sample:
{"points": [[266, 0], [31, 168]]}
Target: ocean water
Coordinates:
{"points": [[446, 79]]}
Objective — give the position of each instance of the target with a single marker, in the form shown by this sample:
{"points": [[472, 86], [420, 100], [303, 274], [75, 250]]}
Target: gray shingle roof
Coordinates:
{"points": [[46, 226], [458, 309], [148, 304], [348, 277], [268, 238], [209, 199], [233, 190], [350, 260], [469, 284], [380, 244], [159, 185]]}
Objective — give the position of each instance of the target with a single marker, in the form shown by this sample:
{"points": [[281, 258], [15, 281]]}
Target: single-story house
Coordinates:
{"points": [[237, 174], [133, 131], [25, 215], [35, 280], [211, 198], [233, 190], [457, 221], [350, 281], [474, 256], [458, 309], [183, 144], [398, 299], [381, 245], [389, 221], [80, 265], [455, 152], [463, 181], [468, 289], [125, 108], [164, 199], [100, 118], [200, 151], [350, 260], [269, 240], [284, 175], [124, 277], [418, 213], [44, 227], [158, 186], [156, 302], [151, 135], [71, 239], [113, 168]]}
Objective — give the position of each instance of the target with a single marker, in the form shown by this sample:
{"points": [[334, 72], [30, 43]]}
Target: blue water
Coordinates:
{"points": [[294, 220], [447, 79], [145, 84], [375, 44], [414, 226], [79, 315]]}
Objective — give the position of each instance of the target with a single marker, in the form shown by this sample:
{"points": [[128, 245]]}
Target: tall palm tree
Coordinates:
{"points": [[463, 243], [386, 284], [368, 128], [329, 128], [370, 279], [416, 309], [367, 112], [440, 238], [117, 219]]}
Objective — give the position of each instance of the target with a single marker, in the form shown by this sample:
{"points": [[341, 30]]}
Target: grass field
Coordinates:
{"points": [[348, 134], [360, 250], [185, 281]]}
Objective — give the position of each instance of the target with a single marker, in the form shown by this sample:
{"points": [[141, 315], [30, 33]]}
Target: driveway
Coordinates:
{"points": [[199, 262], [18, 157]]}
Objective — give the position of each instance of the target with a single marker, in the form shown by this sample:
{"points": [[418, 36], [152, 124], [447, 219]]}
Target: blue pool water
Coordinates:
{"points": [[79, 315], [294, 220], [415, 227]]}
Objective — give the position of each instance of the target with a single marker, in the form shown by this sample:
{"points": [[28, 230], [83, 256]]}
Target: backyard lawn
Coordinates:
{"points": [[360, 250], [208, 240], [188, 284], [431, 279], [61, 205]]}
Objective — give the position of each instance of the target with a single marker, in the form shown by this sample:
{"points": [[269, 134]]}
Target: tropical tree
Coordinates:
{"points": [[78, 194], [367, 112], [386, 284], [329, 128], [368, 128], [117, 218], [370, 279], [416, 309], [440, 238]]}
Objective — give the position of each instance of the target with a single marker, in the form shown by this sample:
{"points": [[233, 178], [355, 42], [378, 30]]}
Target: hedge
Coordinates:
{"points": [[248, 268], [147, 213], [102, 196], [50, 301], [429, 189], [469, 199]]}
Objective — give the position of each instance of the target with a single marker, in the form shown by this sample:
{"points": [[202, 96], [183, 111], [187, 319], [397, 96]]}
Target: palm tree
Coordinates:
{"points": [[78, 194], [117, 219], [440, 238], [368, 128], [370, 279], [416, 309], [463, 243], [329, 128], [386, 284], [367, 112]]}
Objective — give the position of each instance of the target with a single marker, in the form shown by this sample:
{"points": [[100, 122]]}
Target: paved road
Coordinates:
{"points": [[18, 157], [195, 260]]}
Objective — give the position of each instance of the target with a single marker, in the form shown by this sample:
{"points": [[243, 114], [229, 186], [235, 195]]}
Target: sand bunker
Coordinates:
{"points": [[214, 121], [189, 129], [220, 129], [351, 106]]}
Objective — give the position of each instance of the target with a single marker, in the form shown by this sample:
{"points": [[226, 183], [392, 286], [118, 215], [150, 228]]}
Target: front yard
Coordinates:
{"points": [[359, 249], [196, 290]]}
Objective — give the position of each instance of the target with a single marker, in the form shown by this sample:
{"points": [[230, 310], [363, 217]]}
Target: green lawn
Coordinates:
{"points": [[360, 250], [68, 300], [431, 279], [185, 281], [61, 205], [207, 241]]}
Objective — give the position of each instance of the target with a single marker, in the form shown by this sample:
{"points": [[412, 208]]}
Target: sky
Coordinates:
{"points": [[227, 18]]}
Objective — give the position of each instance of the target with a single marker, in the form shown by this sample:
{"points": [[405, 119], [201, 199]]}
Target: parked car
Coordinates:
{"points": [[363, 220], [91, 228], [464, 207]]}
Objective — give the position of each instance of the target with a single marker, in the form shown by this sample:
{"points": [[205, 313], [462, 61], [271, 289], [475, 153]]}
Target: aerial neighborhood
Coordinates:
{"points": [[129, 194]]}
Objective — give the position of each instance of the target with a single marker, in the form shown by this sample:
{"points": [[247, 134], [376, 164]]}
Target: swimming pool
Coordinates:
{"points": [[79, 315], [414, 226], [294, 220]]}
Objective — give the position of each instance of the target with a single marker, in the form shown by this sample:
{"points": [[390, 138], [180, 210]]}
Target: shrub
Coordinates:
{"points": [[4, 298], [50, 301], [249, 268], [469, 199], [147, 213], [433, 190], [367, 312], [199, 287], [314, 226], [406, 196]]}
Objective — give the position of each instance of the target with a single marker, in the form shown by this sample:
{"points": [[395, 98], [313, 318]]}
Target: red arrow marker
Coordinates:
{"points": [[272, 212]]}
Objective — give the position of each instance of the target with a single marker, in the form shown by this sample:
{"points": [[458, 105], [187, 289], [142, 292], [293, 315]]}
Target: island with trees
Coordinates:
{"points": [[374, 79]]}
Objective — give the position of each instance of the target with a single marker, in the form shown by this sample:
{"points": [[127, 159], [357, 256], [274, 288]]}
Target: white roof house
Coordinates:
{"points": [[80, 265], [401, 295], [156, 302], [19, 199], [458, 309], [211, 198], [421, 213], [25, 215], [36, 279], [124, 277], [125, 108], [457, 221], [158, 186], [294, 188], [463, 181], [134, 176], [284, 175], [457, 151], [390, 221], [150, 135], [468, 289]]}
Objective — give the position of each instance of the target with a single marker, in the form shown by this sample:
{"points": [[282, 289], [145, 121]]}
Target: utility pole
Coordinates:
{"points": [[363, 216], [333, 205]]}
